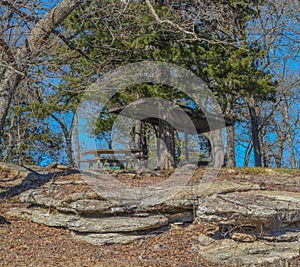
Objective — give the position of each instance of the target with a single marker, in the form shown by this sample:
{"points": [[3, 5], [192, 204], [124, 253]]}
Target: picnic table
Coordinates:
{"points": [[110, 158]]}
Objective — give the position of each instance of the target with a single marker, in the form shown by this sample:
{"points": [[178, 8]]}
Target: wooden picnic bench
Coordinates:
{"points": [[107, 158]]}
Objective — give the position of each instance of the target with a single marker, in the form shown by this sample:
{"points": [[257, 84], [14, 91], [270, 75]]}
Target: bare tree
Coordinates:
{"points": [[285, 125], [22, 36], [277, 30]]}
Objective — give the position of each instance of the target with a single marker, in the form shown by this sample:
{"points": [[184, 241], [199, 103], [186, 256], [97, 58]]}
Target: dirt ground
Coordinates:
{"points": [[23, 243]]}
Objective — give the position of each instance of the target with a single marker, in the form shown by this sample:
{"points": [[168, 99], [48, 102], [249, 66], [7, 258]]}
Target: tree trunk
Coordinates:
{"points": [[230, 147], [76, 141], [69, 151], [289, 134], [264, 150], [216, 148], [138, 134], [278, 156], [137, 141], [10, 143], [291, 148], [254, 131], [68, 138], [248, 154], [18, 59], [166, 146], [144, 146], [8, 85], [186, 147]]}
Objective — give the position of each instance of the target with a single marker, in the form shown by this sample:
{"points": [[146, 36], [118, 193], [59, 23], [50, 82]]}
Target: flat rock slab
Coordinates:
{"points": [[260, 209], [91, 225], [107, 239], [228, 251], [89, 202], [118, 224], [77, 203]]}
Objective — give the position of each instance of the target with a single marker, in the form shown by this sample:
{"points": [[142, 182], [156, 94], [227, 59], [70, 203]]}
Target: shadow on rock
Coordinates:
{"points": [[32, 180], [3, 220]]}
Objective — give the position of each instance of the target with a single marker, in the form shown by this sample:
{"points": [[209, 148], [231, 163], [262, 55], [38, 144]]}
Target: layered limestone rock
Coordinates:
{"points": [[95, 219], [115, 224], [90, 202], [252, 224], [235, 253], [253, 227], [263, 210], [108, 239]]}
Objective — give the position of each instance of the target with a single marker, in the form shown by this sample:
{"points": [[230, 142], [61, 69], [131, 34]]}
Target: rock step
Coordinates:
{"points": [[107, 239], [230, 252], [90, 202], [80, 224], [263, 210]]}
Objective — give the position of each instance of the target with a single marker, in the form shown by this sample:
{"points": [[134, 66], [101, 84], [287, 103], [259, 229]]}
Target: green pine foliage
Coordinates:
{"points": [[104, 35]]}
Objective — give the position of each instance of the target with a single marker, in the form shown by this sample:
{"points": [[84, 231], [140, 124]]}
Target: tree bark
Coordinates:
{"points": [[230, 147], [166, 146], [69, 151], [138, 134], [68, 138], [18, 59], [264, 150], [278, 156], [216, 148], [254, 131], [76, 140], [8, 85], [186, 147], [137, 141], [289, 134], [144, 146]]}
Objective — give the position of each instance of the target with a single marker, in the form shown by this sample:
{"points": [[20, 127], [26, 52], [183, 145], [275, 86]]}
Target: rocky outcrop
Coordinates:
{"points": [[115, 224], [77, 203], [93, 218], [90, 202], [259, 210], [233, 253], [252, 227], [253, 221]]}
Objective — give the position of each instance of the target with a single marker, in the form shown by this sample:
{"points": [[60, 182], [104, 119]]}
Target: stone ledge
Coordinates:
{"points": [[259, 209], [228, 251], [115, 224]]}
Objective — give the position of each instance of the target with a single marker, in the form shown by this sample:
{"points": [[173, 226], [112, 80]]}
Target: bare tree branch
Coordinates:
{"points": [[49, 22], [31, 45], [162, 21], [13, 69]]}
